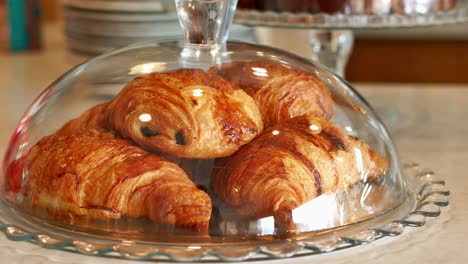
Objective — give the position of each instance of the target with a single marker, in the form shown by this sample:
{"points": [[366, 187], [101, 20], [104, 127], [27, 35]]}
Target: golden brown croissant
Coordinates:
{"points": [[93, 118], [281, 93], [94, 174], [185, 113], [292, 163]]}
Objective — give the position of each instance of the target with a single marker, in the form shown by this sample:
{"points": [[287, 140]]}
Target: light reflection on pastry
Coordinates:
{"points": [[185, 113]]}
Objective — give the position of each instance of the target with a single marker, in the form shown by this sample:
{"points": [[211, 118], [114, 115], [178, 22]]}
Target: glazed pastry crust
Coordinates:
{"points": [[185, 113], [292, 163], [93, 118], [193, 114], [94, 174], [280, 92]]}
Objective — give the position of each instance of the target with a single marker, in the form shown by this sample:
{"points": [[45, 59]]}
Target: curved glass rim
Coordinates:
{"points": [[425, 199], [36, 220]]}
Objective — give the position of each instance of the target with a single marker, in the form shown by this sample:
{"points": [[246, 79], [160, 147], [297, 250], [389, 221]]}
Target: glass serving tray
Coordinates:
{"points": [[426, 196], [354, 16]]}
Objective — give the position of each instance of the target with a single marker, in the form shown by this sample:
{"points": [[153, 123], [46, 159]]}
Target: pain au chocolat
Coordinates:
{"points": [[185, 113]]}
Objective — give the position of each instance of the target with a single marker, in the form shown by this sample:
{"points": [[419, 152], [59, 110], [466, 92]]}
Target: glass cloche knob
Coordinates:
{"points": [[205, 24]]}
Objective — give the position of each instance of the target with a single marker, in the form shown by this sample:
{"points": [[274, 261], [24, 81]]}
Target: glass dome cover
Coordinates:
{"points": [[201, 141]]}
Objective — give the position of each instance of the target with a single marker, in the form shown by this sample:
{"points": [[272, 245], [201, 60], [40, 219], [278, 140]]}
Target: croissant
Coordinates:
{"points": [[94, 174], [93, 118], [185, 113], [290, 164], [281, 93]]}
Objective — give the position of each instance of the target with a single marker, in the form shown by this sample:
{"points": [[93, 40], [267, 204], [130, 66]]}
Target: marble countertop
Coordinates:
{"points": [[427, 122]]}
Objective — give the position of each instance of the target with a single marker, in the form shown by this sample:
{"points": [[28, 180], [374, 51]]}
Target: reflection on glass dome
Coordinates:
{"points": [[170, 141], [258, 145]]}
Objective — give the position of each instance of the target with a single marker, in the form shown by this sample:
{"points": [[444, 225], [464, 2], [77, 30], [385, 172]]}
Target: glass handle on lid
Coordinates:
{"points": [[205, 24]]}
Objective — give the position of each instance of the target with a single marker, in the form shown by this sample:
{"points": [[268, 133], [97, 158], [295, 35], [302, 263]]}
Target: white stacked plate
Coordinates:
{"points": [[95, 26]]}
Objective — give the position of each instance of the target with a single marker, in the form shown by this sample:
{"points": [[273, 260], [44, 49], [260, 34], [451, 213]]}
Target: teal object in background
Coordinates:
{"points": [[18, 26]]}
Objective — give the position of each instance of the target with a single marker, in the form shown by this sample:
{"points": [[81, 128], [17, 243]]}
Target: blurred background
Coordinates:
{"points": [[427, 55]]}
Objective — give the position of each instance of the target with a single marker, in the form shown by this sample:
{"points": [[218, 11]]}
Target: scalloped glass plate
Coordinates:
{"points": [[426, 196]]}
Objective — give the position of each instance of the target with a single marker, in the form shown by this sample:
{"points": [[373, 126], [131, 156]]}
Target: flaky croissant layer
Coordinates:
{"points": [[94, 174], [292, 163], [280, 92], [185, 113]]}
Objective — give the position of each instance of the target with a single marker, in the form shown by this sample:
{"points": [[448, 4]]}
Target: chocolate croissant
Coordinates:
{"points": [[290, 164], [96, 175], [186, 113], [281, 93]]}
